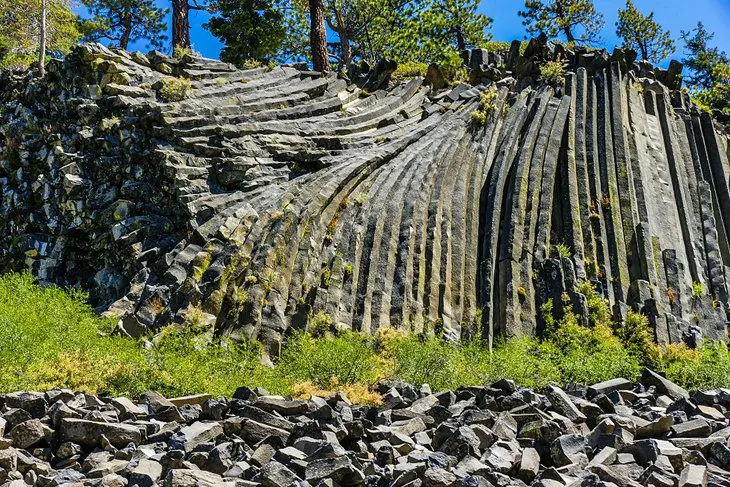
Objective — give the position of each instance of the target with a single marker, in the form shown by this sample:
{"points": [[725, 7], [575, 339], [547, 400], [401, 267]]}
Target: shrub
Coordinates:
{"points": [[357, 393], [478, 118], [698, 290], [320, 324], [563, 251], [424, 360], [174, 89], [348, 358], [221, 81], [706, 368], [589, 355], [180, 52], [552, 71], [409, 70], [527, 361], [638, 337], [452, 67], [599, 311], [487, 99], [251, 64]]}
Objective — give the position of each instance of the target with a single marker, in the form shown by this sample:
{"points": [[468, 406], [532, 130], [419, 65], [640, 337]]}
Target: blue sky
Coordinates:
{"points": [[674, 15]]}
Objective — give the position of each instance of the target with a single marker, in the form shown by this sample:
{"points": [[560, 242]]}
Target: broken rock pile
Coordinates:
{"points": [[616, 433]]}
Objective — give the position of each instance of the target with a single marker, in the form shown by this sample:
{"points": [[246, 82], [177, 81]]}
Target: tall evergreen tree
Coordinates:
{"points": [[453, 22], [642, 33], [250, 29], [125, 21], [31, 29], [702, 60], [577, 20]]}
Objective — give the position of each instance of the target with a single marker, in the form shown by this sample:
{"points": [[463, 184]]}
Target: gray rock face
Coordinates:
{"points": [[270, 195]]}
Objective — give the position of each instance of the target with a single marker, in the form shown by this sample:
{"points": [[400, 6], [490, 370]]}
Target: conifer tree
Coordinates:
{"points": [[125, 21], [642, 33], [576, 20], [250, 29], [702, 60]]}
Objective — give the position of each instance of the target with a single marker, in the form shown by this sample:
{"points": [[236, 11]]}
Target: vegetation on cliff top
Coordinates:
{"points": [[50, 337]]}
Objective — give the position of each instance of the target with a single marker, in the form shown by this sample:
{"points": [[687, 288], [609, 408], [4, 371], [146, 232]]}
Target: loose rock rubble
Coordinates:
{"points": [[615, 433]]}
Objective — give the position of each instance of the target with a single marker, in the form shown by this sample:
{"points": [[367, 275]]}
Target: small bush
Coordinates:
{"points": [[698, 290], [348, 358], [320, 324], [599, 311], [452, 68], [552, 71], [180, 52], [409, 70], [221, 81], [478, 118], [706, 368], [563, 251], [589, 355], [672, 295], [174, 89], [256, 63], [487, 99], [424, 360], [638, 337]]}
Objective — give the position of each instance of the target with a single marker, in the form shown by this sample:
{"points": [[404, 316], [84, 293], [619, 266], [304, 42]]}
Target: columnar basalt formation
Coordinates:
{"points": [[268, 195]]}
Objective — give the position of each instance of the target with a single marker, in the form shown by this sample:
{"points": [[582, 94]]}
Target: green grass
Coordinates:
{"points": [[50, 337]]}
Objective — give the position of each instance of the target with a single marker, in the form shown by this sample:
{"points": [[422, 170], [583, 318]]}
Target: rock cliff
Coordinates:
{"points": [[265, 196]]}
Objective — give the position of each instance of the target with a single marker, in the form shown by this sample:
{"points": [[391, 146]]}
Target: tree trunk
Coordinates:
{"points": [[560, 13], [318, 36], [180, 24], [569, 34], [344, 40], [460, 42], [127, 30], [42, 48]]}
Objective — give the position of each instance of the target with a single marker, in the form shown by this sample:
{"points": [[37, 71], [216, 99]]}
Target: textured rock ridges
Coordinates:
{"points": [[266, 196]]}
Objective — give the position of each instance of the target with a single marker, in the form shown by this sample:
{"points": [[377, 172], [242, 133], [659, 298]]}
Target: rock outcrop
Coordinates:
{"points": [[265, 196], [615, 433]]}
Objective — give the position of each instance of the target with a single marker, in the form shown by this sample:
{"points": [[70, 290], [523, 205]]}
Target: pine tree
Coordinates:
{"points": [[453, 22], [563, 17], [250, 29], [125, 21], [642, 33], [702, 60]]}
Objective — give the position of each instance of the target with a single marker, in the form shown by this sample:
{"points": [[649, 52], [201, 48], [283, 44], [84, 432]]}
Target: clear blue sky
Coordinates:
{"points": [[674, 15]]}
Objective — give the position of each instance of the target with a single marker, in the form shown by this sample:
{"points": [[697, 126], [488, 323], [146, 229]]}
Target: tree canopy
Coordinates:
{"points": [[576, 20], [702, 60], [642, 33], [125, 21], [21, 27], [249, 29]]}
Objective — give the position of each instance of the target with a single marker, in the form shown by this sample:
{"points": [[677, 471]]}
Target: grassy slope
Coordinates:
{"points": [[51, 337]]}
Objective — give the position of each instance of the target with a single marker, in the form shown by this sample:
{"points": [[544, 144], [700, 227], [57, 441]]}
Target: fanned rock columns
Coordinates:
{"points": [[267, 196]]}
